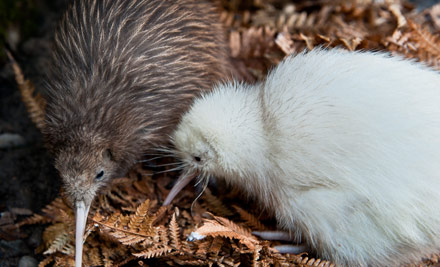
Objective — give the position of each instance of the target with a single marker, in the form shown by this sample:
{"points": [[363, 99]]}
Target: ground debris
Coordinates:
{"points": [[127, 225]]}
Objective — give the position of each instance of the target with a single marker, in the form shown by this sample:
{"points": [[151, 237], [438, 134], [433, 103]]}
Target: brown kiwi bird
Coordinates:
{"points": [[121, 74]]}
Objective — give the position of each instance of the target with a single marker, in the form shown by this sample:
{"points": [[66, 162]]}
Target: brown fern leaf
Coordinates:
{"points": [[55, 237], [302, 261], [127, 259], [397, 12], [191, 262], [306, 261], [285, 43], [253, 222], [127, 239], [216, 245], [65, 261], [68, 249], [111, 250], [35, 219], [228, 261], [147, 225], [144, 173], [122, 221], [35, 105], [117, 226], [153, 253], [309, 40], [426, 41], [114, 219], [66, 216], [140, 215], [256, 256], [59, 243], [89, 229], [107, 253], [143, 187], [351, 44], [159, 214], [163, 236], [251, 42], [431, 260], [214, 204], [235, 227], [174, 233], [124, 236], [59, 211], [103, 204], [203, 246], [116, 198], [46, 261], [93, 257], [214, 228], [56, 211]]}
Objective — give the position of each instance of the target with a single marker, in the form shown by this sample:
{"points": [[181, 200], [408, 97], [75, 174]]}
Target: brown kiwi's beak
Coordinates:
{"points": [[182, 181], [82, 210]]}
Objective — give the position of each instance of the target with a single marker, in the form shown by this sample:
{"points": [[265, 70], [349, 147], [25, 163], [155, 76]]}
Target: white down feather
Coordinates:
{"points": [[343, 146]]}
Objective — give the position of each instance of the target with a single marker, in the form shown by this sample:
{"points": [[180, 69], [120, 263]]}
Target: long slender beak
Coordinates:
{"points": [[182, 181], [82, 210]]}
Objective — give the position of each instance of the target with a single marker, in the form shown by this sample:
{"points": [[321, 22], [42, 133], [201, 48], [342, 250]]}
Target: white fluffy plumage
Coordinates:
{"points": [[343, 146]]}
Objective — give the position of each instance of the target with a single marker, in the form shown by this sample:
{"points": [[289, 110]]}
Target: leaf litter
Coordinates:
{"points": [[127, 225]]}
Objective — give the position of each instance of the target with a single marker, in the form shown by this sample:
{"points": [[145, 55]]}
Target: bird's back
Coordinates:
{"points": [[357, 136], [133, 64]]}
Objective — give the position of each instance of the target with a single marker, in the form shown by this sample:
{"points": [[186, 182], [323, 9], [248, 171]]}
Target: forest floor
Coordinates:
{"points": [[28, 181]]}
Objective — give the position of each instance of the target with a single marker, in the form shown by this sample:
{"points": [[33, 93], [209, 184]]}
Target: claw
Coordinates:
{"points": [[291, 249], [274, 235], [281, 236]]}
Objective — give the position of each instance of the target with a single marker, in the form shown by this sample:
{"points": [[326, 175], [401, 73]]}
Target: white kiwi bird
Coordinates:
{"points": [[343, 147]]}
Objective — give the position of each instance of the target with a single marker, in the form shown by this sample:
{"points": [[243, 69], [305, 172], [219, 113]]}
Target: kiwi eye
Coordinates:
{"points": [[99, 175], [198, 159]]}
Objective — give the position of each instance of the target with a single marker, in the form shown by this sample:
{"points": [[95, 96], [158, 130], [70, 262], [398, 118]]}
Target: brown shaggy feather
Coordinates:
{"points": [[122, 73]]}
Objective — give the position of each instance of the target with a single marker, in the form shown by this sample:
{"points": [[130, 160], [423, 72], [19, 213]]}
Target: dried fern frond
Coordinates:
{"points": [[215, 246], [425, 40], [226, 229], [154, 253], [66, 261], [35, 105], [35, 219], [160, 214], [216, 205], [117, 227], [59, 211], [56, 237], [395, 10], [140, 216], [174, 233], [306, 261], [46, 261], [253, 222]]}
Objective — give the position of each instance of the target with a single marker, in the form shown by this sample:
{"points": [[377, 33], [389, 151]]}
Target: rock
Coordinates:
{"points": [[9, 249], [8, 140], [34, 239], [27, 261]]}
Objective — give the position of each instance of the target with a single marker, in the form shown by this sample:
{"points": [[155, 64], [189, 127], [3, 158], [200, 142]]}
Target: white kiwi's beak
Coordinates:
{"points": [[82, 210], [182, 181]]}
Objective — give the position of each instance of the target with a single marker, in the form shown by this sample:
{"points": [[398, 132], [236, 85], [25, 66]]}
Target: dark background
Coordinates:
{"points": [[27, 179]]}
